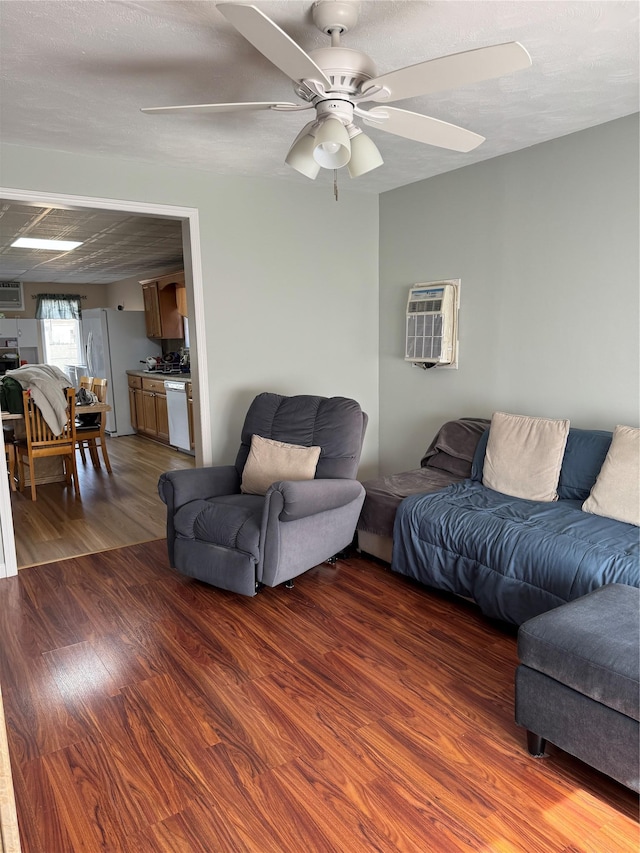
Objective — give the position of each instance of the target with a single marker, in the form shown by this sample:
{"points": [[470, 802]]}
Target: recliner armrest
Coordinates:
{"points": [[177, 488], [302, 498]]}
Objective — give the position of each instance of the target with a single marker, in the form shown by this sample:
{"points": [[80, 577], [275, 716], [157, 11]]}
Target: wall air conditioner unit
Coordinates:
{"points": [[432, 324], [11, 296]]}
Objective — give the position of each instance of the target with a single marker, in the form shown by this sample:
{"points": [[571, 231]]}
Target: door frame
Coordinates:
{"points": [[198, 351]]}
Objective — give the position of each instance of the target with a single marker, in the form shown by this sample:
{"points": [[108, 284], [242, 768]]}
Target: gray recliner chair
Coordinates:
{"points": [[238, 541]]}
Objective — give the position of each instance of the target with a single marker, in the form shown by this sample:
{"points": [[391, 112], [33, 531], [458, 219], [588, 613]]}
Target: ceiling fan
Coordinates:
{"points": [[335, 81]]}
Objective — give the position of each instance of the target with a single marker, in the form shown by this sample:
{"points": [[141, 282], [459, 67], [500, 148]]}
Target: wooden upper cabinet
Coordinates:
{"points": [[162, 315], [152, 309], [181, 299]]}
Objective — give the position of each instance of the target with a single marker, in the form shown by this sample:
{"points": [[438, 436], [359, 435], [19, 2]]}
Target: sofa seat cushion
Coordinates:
{"points": [[591, 645], [385, 494], [516, 558], [447, 460], [231, 521]]}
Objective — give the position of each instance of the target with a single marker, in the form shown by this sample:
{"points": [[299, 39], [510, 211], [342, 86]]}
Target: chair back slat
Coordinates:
{"points": [[40, 441], [39, 433], [99, 388]]}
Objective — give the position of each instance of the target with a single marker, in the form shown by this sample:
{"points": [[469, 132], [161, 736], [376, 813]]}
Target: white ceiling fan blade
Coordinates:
{"points": [[421, 128], [228, 108], [273, 42], [450, 72]]}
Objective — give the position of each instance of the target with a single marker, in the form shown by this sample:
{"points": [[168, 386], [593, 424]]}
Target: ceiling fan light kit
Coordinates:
{"points": [[300, 156], [332, 148], [364, 155], [335, 81]]}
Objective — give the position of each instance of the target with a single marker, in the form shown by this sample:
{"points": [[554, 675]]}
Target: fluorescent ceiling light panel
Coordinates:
{"points": [[33, 243]]}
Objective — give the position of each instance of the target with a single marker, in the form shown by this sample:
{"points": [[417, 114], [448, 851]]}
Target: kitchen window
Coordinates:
{"points": [[59, 316], [62, 342]]}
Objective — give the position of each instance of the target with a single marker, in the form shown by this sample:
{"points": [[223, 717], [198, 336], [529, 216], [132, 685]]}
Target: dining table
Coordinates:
{"points": [[49, 470], [89, 409]]}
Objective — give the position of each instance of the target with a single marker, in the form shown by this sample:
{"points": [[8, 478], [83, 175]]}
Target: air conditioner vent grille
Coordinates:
{"points": [[425, 305], [432, 323], [11, 296]]}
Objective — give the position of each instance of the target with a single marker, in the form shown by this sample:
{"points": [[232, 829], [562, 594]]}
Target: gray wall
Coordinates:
{"points": [[545, 241], [290, 276]]}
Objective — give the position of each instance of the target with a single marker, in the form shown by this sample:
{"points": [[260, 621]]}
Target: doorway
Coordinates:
{"points": [[195, 300]]}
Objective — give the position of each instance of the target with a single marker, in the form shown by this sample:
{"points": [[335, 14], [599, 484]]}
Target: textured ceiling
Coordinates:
{"points": [[115, 245], [73, 76]]}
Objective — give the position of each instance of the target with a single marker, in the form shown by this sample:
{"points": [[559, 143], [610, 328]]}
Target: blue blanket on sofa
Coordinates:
{"points": [[516, 558]]}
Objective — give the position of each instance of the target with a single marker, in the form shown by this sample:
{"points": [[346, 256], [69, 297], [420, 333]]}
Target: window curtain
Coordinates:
{"points": [[57, 306]]}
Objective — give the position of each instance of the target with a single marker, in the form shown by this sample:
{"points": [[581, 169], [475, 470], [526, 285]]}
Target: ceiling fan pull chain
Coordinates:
{"points": [[335, 183]]}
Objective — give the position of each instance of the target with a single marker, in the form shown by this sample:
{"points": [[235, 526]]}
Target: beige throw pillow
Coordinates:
{"points": [[524, 456], [616, 491], [269, 461]]}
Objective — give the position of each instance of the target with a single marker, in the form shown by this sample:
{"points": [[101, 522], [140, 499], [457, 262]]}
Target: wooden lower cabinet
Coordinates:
{"points": [[148, 402], [135, 401]]}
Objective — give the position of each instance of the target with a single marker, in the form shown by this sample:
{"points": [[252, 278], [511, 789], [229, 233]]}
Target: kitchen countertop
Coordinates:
{"points": [[157, 374]]}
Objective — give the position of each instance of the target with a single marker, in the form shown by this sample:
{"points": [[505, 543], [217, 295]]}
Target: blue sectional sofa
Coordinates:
{"points": [[517, 558]]}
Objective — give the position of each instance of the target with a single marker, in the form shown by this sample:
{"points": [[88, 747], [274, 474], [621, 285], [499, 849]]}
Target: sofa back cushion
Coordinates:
{"points": [[478, 457], [584, 454], [583, 458], [336, 424]]}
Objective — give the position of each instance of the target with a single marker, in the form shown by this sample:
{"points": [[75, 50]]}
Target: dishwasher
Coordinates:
{"points": [[176, 391]]}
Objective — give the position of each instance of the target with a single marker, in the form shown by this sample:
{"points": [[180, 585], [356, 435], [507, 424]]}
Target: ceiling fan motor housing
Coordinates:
{"points": [[346, 68], [335, 108]]}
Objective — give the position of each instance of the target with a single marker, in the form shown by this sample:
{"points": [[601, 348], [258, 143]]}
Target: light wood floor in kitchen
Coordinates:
{"points": [[114, 510]]}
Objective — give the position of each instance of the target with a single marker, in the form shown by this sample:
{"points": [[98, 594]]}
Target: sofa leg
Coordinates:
{"points": [[535, 744], [289, 584]]}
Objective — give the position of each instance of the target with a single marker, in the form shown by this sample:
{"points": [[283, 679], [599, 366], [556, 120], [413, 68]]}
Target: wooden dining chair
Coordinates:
{"points": [[40, 442], [85, 382], [10, 453], [92, 436]]}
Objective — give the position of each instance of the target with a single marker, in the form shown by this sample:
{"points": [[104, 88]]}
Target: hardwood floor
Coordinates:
{"points": [[114, 510], [355, 712]]}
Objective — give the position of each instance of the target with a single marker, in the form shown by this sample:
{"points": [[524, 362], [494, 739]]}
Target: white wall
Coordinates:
{"points": [[545, 241], [291, 278], [126, 292]]}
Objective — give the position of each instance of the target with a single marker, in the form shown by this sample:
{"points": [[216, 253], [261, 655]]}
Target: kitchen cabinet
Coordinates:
{"points": [[162, 315], [28, 333], [18, 341], [23, 331], [135, 401], [8, 328], [148, 403], [181, 299]]}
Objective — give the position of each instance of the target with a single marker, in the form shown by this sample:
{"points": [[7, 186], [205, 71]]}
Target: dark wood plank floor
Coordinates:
{"points": [[356, 712]]}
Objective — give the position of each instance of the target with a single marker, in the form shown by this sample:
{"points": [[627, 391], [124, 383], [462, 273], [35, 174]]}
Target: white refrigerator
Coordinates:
{"points": [[114, 342]]}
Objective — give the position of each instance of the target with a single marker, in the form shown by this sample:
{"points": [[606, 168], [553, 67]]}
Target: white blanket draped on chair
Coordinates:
{"points": [[47, 384]]}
